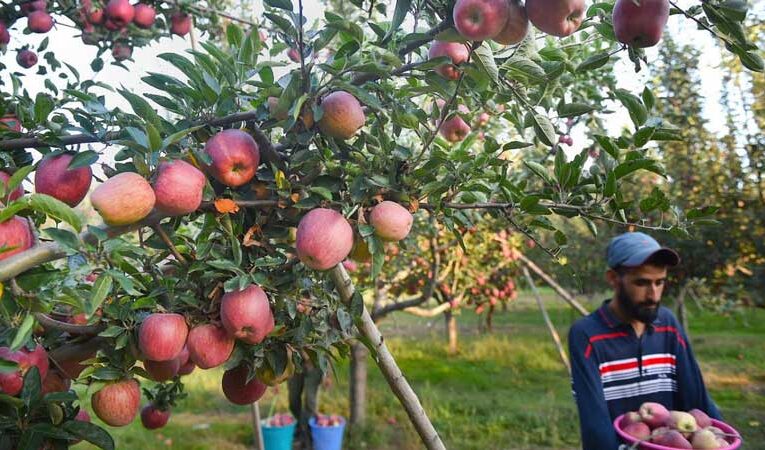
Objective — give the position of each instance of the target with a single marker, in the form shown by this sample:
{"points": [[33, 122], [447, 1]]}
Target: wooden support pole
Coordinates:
{"points": [[549, 323], [549, 280]]}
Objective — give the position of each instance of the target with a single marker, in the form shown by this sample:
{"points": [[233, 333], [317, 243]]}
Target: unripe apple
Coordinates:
{"points": [[123, 199], [209, 346], [26, 58], [477, 20], [39, 22], [5, 36], [705, 439], [640, 24], [343, 115], [16, 193], [120, 12], [34, 5], [458, 52], [121, 51], [235, 157], [117, 403], [556, 17], [238, 390], [682, 422], [246, 314], [391, 221], [178, 188], [153, 417], [144, 16], [454, 129], [180, 24], [324, 239], [15, 237], [162, 336], [54, 177]]}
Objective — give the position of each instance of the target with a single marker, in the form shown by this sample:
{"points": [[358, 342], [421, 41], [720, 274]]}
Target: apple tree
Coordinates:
{"points": [[230, 194]]}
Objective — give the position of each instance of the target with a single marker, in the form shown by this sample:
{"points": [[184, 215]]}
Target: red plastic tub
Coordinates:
{"points": [[734, 442]]}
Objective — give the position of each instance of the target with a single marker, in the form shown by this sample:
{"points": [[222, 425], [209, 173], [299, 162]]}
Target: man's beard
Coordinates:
{"points": [[645, 313]]}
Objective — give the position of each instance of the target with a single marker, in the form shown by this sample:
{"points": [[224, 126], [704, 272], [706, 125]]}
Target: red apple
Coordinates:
{"points": [[180, 24], [123, 199], [294, 55], [638, 430], [153, 417], [391, 221], [26, 58], [120, 12], [144, 15], [640, 24], [55, 382], [702, 419], [11, 382], [55, 178], [34, 5], [653, 414], [556, 17], [238, 390], [324, 239], [96, 17], [162, 336], [477, 20], [246, 314], [343, 115], [82, 416], [121, 51], [178, 188], [187, 368], [209, 346], [350, 265], [517, 25], [454, 129], [15, 236], [117, 403], [39, 22], [235, 157], [630, 418], [456, 51], [671, 438], [16, 193], [5, 36]]}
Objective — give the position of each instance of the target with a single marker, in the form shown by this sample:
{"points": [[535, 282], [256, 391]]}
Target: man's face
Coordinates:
{"points": [[639, 291]]}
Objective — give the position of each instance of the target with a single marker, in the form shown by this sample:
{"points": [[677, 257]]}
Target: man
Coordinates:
{"points": [[632, 350]]}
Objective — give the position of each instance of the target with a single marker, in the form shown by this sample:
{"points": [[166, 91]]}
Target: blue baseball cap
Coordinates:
{"points": [[634, 249]]}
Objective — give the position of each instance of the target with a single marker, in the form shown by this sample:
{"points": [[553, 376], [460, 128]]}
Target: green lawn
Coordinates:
{"points": [[505, 390]]}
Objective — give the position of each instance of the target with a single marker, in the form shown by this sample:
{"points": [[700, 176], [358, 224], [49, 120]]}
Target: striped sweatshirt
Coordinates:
{"points": [[613, 371]]}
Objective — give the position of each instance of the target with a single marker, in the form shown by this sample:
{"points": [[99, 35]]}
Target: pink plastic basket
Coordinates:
{"points": [[736, 443]]}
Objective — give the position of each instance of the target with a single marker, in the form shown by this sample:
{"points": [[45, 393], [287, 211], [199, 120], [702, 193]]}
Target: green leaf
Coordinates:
{"points": [[23, 333], [522, 68], [628, 167], [281, 4], [399, 14], [55, 208], [638, 112], [607, 144], [90, 432], [141, 107], [324, 192], [32, 387], [64, 237], [98, 292], [44, 105], [543, 128], [648, 99], [574, 109], [643, 135], [83, 159], [235, 35], [539, 170], [155, 140], [560, 238], [18, 177], [705, 211], [484, 59], [610, 188], [593, 62], [8, 366]]}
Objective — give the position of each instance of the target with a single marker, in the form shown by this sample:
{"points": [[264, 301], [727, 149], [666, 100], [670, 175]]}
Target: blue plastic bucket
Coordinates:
{"points": [[326, 438], [278, 438]]}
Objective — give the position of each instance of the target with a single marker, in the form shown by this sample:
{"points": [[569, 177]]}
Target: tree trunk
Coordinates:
{"points": [[489, 318], [681, 315], [387, 364], [451, 331], [358, 383]]}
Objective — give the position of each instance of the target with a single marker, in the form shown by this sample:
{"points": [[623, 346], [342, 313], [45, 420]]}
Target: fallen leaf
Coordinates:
{"points": [[248, 241]]}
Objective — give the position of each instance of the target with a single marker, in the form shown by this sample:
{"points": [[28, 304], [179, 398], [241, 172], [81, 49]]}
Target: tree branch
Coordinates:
{"points": [[166, 239], [429, 36], [79, 330]]}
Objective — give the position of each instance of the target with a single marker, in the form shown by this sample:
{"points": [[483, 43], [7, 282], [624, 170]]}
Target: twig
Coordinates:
{"points": [[166, 239], [412, 46], [301, 48]]}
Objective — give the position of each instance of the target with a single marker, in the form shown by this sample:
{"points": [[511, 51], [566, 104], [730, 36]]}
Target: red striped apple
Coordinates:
{"points": [[246, 314], [235, 157], [54, 177], [343, 115], [117, 403], [324, 239], [209, 346], [391, 221], [123, 199]]}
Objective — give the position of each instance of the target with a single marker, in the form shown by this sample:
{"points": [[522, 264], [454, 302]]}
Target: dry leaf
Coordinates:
{"points": [[226, 205], [414, 205], [248, 241]]}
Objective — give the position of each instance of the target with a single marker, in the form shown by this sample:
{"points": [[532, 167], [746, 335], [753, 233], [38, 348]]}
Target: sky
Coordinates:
{"points": [[67, 46]]}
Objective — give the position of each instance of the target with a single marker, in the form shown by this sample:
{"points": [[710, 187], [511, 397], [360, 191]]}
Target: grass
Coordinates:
{"points": [[505, 390]]}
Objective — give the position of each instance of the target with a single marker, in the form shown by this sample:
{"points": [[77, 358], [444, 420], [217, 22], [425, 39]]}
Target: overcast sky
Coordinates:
{"points": [[69, 48]]}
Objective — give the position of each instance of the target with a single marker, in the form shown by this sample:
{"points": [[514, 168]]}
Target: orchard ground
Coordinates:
{"points": [[505, 390]]}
